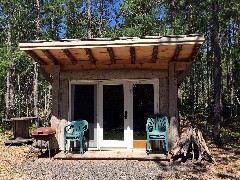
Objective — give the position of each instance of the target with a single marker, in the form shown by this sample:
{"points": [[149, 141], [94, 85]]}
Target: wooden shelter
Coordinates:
{"points": [[115, 84]]}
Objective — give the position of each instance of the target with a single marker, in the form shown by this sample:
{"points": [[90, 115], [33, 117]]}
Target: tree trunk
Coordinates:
{"points": [[191, 91], [35, 90], [217, 74], [38, 20], [100, 30], [172, 7], [10, 93], [89, 19], [10, 73], [35, 80]]}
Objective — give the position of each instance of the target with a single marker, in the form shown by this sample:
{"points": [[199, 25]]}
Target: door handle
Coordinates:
{"points": [[125, 114]]}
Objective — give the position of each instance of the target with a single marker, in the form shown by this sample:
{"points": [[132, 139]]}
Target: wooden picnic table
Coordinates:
{"points": [[21, 126]]}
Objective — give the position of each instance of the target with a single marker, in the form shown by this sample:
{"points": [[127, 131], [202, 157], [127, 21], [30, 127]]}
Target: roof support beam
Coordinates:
{"points": [[177, 52], [50, 56], [184, 74], [35, 57], [45, 70], [112, 55], [90, 56], [70, 56], [194, 52], [133, 55], [154, 54]]}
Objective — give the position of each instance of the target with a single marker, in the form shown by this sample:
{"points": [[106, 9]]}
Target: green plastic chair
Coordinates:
{"points": [[74, 131], [157, 129]]}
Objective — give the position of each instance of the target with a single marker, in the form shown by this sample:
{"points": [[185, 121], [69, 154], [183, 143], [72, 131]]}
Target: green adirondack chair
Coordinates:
{"points": [[74, 131], [157, 129]]}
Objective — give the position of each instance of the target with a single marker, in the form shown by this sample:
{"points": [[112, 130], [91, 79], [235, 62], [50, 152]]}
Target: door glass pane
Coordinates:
{"points": [[84, 106], [113, 109], [143, 107]]}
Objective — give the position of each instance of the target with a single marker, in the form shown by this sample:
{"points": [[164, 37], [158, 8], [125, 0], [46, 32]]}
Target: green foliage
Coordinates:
{"points": [[140, 18], [111, 18], [230, 137]]}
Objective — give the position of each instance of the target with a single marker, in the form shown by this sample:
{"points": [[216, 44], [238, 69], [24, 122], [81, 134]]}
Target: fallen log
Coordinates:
{"points": [[191, 143]]}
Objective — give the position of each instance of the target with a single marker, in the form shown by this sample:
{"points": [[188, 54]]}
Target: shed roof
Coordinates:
{"points": [[148, 52]]}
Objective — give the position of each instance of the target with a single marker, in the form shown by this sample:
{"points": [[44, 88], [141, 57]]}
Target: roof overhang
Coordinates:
{"points": [[149, 52]]}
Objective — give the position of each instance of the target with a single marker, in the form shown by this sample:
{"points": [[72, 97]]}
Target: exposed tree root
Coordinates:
{"points": [[192, 143]]}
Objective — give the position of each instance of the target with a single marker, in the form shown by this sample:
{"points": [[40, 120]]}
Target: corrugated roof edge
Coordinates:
{"points": [[111, 39]]}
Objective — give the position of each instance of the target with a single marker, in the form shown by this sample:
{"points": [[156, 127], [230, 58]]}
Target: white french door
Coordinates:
{"points": [[113, 114]]}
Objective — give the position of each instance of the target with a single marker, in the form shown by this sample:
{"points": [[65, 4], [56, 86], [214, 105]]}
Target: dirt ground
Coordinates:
{"points": [[227, 167]]}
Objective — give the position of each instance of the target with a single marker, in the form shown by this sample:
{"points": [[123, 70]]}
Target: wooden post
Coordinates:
{"points": [[64, 99], [174, 125], [55, 90], [163, 96]]}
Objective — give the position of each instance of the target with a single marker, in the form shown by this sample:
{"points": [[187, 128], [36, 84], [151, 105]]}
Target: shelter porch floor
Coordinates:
{"points": [[113, 154]]}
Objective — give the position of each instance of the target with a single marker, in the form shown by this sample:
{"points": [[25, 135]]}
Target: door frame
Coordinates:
{"points": [[98, 141], [92, 143], [155, 83]]}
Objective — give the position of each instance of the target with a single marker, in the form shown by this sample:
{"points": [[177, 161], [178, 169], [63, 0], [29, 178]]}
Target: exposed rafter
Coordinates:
{"points": [[35, 57], [177, 52], [154, 54], [133, 55], [50, 56], [90, 56], [70, 56], [194, 52], [112, 55]]}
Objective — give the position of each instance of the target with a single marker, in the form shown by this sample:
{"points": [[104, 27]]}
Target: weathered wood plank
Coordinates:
{"points": [[180, 66], [113, 74], [115, 43], [87, 66]]}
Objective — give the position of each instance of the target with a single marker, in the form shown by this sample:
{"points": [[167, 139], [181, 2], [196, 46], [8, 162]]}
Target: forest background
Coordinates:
{"points": [[211, 92]]}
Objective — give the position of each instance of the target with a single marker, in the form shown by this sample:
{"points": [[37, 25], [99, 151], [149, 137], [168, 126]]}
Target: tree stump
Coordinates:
{"points": [[191, 142]]}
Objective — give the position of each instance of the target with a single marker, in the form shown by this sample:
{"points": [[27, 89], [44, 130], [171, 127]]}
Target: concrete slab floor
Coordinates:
{"points": [[113, 154]]}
